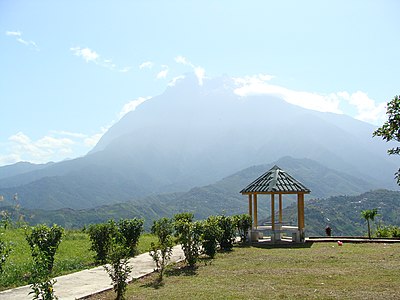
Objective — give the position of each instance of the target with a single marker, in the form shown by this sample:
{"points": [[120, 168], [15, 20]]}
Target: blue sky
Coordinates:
{"points": [[70, 69]]}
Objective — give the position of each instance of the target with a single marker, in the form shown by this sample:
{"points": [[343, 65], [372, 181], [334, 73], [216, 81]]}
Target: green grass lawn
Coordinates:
{"points": [[72, 255], [322, 271]]}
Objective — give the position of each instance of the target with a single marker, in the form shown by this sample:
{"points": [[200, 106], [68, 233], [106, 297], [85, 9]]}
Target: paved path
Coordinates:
{"points": [[87, 282]]}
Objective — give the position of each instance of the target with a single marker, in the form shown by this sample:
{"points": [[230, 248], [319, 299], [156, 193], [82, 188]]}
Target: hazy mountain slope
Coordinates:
{"points": [[193, 135], [343, 213], [20, 168], [222, 197]]}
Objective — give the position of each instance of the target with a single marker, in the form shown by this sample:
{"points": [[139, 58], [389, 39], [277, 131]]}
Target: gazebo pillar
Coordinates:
{"points": [[300, 215], [251, 206], [273, 212], [255, 219], [280, 208]]}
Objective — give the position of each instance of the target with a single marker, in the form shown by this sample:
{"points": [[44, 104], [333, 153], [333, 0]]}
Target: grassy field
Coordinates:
{"points": [[73, 255], [321, 271]]}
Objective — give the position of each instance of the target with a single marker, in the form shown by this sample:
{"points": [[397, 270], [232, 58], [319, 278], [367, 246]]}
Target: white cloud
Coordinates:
{"points": [[41, 150], [86, 53], [175, 80], [19, 39], [90, 55], [125, 69], [198, 71], [146, 65], [14, 33], [182, 60], [131, 105], [367, 109], [163, 73], [200, 74]]}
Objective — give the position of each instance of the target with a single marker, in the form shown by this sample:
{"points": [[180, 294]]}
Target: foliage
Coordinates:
{"points": [[390, 130], [118, 268], [121, 242], [44, 242], [131, 229], [5, 219], [5, 250], [389, 231], [369, 214], [189, 236], [72, 256], [243, 224], [210, 236], [228, 232], [100, 237], [162, 250]]}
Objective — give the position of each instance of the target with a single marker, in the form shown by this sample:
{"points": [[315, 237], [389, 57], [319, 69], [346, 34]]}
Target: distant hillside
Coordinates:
{"points": [[193, 135], [343, 213], [222, 197]]}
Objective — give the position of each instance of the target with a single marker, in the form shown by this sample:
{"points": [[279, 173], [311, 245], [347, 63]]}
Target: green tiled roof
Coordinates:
{"points": [[275, 180]]}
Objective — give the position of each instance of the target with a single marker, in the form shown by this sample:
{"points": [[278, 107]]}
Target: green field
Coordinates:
{"points": [[321, 271], [73, 255]]}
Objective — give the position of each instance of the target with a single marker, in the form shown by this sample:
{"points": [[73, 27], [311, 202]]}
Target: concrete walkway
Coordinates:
{"points": [[88, 282]]}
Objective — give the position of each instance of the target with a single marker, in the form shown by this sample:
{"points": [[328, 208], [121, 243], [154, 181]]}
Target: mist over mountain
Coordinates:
{"points": [[193, 135]]}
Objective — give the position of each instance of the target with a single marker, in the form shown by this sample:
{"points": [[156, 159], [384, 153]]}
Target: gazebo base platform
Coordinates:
{"points": [[275, 236]]}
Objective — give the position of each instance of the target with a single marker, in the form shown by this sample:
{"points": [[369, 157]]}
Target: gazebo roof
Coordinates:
{"points": [[275, 180]]}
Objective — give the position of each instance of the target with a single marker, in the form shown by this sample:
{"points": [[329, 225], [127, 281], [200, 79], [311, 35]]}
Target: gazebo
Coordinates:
{"points": [[276, 182]]}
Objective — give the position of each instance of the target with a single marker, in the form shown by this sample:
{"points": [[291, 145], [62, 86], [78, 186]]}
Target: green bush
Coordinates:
{"points": [[388, 231], [131, 230], [228, 232], [118, 268], [210, 236], [243, 224], [44, 242], [5, 250], [100, 236], [162, 250], [189, 236]]}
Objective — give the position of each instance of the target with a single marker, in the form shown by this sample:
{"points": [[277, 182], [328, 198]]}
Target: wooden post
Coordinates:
{"points": [[280, 208], [300, 211], [255, 211], [273, 211], [251, 206]]}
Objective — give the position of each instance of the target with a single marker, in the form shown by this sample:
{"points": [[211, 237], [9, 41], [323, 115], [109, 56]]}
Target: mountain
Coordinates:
{"points": [[221, 197], [343, 213], [192, 135], [20, 168]]}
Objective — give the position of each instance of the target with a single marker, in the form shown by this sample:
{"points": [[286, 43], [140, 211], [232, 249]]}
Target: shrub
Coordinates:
{"points": [[210, 236], [131, 230], [161, 252], [243, 225], [44, 242], [100, 236], [118, 268], [388, 231], [228, 232], [5, 250], [189, 236]]}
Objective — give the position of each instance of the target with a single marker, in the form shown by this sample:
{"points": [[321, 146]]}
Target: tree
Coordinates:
{"points": [[390, 130], [369, 214], [188, 234], [100, 236], [162, 250], [44, 242], [243, 224]]}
